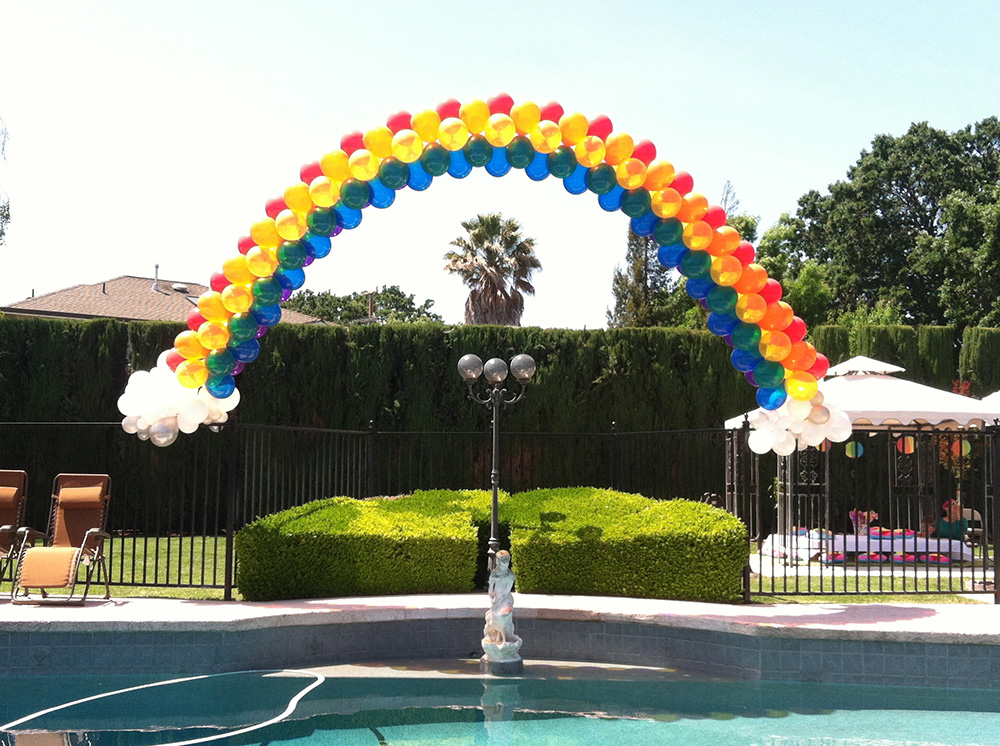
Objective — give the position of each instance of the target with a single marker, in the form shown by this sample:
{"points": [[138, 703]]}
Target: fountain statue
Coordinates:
{"points": [[501, 645]]}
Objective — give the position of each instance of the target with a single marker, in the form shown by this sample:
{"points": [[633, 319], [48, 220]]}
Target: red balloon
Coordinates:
{"points": [[174, 358], [310, 171], [500, 104], [715, 217], [600, 126], [645, 151], [683, 182], [245, 244], [820, 367], [195, 319], [398, 121], [274, 206], [796, 330], [450, 108], [552, 112], [745, 253], [771, 292], [219, 282], [352, 141]]}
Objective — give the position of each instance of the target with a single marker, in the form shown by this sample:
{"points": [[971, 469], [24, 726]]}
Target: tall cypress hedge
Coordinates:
{"points": [[979, 360], [832, 341]]}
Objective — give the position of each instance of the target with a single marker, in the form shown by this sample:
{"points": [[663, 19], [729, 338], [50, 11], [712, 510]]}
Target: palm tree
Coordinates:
{"points": [[496, 262]]}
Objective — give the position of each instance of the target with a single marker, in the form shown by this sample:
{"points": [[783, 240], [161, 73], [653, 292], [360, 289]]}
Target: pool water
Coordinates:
{"points": [[304, 708]]}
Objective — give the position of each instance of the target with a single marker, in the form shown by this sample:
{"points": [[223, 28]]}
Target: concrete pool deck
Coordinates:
{"points": [[953, 645]]}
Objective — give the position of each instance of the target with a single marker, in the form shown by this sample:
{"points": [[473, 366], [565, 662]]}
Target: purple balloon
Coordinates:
{"points": [[261, 331], [728, 339], [704, 304], [750, 379], [286, 294], [238, 368], [309, 260]]}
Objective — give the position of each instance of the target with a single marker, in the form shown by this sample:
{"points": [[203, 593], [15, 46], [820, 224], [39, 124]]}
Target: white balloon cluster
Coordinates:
{"points": [[798, 425], [157, 408]]}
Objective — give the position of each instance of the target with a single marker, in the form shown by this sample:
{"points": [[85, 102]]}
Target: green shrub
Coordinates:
{"points": [[573, 540]]}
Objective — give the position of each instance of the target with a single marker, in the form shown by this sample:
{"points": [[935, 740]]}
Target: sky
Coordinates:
{"points": [[153, 133]]}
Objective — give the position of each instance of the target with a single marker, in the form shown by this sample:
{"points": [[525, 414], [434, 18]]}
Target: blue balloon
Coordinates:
{"points": [[290, 279], [721, 324], [246, 352], [771, 398], [347, 217], [266, 315], [644, 224], [498, 165], [316, 246], [611, 201], [699, 287], [220, 386], [382, 196], [460, 166], [419, 179], [576, 182], [538, 169], [670, 256], [744, 360]]}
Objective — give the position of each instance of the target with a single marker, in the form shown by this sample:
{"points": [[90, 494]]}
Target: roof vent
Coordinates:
{"points": [[180, 287]]}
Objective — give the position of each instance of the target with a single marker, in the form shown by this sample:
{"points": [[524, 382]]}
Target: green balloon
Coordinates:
{"points": [[242, 328], [601, 179], [746, 337], [668, 231], [322, 222], [291, 255], [478, 151], [696, 264], [520, 152], [267, 290], [435, 159], [220, 362], [562, 162], [721, 300], [769, 374], [394, 173], [636, 202], [355, 193]]}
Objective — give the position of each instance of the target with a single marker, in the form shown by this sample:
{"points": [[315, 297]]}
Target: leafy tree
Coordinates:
{"points": [[389, 304], [4, 202], [497, 263], [640, 287], [884, 312], [970, 250], [809, 294]]}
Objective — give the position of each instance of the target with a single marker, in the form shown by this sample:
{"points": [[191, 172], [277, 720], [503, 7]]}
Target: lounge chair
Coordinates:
{"points": [[76, 536], [13, 490]]}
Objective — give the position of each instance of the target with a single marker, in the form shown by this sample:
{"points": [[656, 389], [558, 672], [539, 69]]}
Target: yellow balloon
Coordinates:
{"points": [[426, 125], [726, 270], [546, 137], [237, 298], [407, 146], [192, 373], [297, 198], [453, 134], [697, 236], [379, 142], [750, 308], [475, 114], [774, 346], [210, 306], [659, 175], [589, 151], [261, 261], [323, 192], [631, 173], [620, 148], [574, 128], [799, 385], [291, 226], [666, 202], [212, 335], [235, 270], [526, 116], [265, 234], [187, 344], [335, 166], [363, 165], [500, 130]]}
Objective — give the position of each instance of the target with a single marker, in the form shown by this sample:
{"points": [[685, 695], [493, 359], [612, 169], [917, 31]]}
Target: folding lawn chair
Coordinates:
{"points": [[13, 491]]}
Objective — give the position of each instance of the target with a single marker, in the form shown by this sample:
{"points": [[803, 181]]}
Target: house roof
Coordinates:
{"points": [[127, 298]]}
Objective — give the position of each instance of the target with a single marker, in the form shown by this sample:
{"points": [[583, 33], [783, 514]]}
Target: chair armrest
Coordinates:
{"points": [[30, 534], [98, 533], [8, 529]]}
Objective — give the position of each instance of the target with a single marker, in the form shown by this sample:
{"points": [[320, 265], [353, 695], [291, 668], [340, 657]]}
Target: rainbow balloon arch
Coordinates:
{"points": [[194, 383]]}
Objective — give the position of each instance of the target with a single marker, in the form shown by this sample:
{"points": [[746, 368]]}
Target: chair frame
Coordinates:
{"points": [[8, 559], [91, 551]]}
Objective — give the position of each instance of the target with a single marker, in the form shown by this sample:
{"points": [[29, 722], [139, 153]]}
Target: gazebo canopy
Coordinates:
{"points": [[870, 397]]}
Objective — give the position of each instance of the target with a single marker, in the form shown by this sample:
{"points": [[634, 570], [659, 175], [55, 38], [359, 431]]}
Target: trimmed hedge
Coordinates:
{"points": [[577, 540]]}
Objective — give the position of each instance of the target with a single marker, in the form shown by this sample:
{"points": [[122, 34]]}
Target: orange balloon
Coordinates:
{"points": [[407, 146], [323, 192], [620, 147], [574, 128], [500, 130], [697, 236], [291, 226], [546, 137], [800, 385], [589, 151], [453, 133], [726, 270], [262, 262], [526, 116], [237, 299], [753, 279], [363, 164], [211, 307], [802, 356], [192, 374], [666, 202], [659, 175], [631, 173], [778, 316], [213, 336], [187, 344], [750, 308], [725, 241], [774, 346], [235, 269], [694, 208]]}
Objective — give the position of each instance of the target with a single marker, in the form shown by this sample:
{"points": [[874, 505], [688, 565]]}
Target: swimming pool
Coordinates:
{"points": [[306, 708]]}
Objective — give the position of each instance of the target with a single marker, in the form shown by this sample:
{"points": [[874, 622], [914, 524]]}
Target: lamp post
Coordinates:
{"points": [[501, 645]]}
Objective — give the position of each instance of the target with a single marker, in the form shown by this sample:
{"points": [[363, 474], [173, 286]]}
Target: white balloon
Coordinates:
{"points": [[798, 410], [164, 432], [784, 421], [758, 418], [143, 434], [813, 434], [230, 402], [784, 444], [817, 400], [130, 424], [838, 429], [760, 441], [795, 427], [820, 415]]}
